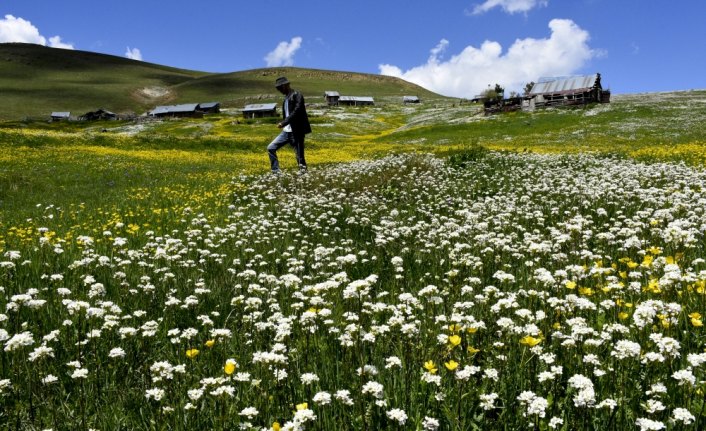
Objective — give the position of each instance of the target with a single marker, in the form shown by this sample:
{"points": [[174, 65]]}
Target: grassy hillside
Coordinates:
{"points": [[36, 80], [237, 88]]}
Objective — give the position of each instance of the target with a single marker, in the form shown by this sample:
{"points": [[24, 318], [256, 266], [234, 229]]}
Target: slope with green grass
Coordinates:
{"points": [[36, 80]]}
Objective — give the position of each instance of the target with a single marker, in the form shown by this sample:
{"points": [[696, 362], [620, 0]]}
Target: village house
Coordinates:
{"points": [[60, 116], [100, 114], [260, 110], [183, 110], [356, 101], [493, 106], [410, 99], [209, 107], [560, 91], [331, 97]]}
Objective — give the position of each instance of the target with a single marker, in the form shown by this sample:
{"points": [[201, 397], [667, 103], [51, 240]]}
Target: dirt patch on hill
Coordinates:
{"points": [[153, 94]]}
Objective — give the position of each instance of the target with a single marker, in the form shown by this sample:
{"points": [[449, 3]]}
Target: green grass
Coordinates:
{"points": [[177, 224]]}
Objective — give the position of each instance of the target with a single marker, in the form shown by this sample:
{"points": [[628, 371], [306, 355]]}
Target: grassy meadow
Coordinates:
{"points": [[436, 269]]}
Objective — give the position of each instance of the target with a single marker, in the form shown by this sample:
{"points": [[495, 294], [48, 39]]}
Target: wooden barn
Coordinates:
{"points": [[60, 116], [184, 110], [562, 91], [100, 114], [209, 107], [331, 97], [356, 101], [495, 106], [260, 110], [410, 99]]}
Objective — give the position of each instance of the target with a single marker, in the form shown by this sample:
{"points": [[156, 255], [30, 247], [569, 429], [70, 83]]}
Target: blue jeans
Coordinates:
{"points": [[284, 138]]}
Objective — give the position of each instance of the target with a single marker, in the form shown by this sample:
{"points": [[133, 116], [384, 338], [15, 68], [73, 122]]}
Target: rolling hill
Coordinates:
{"points": [[36, 80]]}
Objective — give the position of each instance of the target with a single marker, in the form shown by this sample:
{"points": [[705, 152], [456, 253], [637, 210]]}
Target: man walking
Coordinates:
{"points": [[295, 125]]}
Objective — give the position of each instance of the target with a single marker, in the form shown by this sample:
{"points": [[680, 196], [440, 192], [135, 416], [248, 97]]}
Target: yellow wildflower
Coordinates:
{"points": [[700, 286], [302, 406], [623, 315], [276, 426], [647, 261], [472, 350], [430, 367], [652, 286], [230, 367], [210, 343], [454, 328], [586, 291], [451, 365], [192, 353], [570, 284], [530, 341], [454, 340]]}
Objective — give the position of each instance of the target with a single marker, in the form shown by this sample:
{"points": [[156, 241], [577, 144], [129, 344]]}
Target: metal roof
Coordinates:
{"points": [[60, 114], [331, 93], [410, 98], [356, 99], [208, 105], [566, 84], [259, 107], [172, 109]]}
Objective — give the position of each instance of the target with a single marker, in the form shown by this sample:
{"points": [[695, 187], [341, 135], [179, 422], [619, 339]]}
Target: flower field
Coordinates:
{"points": [[487, 290]]}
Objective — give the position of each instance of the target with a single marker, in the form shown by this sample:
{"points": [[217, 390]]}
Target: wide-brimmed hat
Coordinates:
{"points": [[281, 81]]}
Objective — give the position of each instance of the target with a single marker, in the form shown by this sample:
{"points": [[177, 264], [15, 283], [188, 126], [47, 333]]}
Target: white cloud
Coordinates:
{"points": [[14, 29], [283, 54], [509, 6], [133, 54], [470, 72], [55, 42]]}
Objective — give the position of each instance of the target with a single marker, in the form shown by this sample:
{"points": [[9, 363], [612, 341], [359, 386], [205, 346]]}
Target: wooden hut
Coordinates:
{"points": [[184, 110], [209, 107], [356, 101], [331, 97], [260, 110], [99, 114], [60, 116], [561, 91]]}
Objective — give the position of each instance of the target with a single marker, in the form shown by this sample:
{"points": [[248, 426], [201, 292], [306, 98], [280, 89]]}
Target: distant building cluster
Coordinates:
{"points": [[196, 110], [183, 110], [547, 92]]}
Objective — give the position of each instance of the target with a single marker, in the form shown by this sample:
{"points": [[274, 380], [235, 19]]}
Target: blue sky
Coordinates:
{"points": [[453, 47]]}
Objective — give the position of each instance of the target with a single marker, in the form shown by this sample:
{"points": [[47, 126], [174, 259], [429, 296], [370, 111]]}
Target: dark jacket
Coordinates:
{"points": [[297, 114]]}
